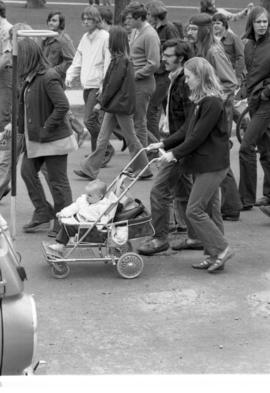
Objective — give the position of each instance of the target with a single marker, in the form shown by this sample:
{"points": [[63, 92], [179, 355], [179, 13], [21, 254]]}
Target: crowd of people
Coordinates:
{"points": [[133, 76]]}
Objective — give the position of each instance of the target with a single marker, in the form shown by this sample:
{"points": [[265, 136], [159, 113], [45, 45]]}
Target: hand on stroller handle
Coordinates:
{"points": [[163, 155], [155, 146]]}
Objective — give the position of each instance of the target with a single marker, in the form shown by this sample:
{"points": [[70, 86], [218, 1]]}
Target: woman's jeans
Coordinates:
{"points": [[92, 119], [93, 163], [257, 134], [203, 211], [57, 179]]}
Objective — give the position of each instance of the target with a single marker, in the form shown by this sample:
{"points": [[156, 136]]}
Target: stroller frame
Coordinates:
{"points": [[128, 264]]}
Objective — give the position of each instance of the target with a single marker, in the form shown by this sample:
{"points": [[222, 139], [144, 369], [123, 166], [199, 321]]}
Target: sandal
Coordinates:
{"points": [[220, 262], [204, 264]]}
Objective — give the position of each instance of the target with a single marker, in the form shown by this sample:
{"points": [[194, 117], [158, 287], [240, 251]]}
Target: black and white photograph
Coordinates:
{"points": [[134, 195]]}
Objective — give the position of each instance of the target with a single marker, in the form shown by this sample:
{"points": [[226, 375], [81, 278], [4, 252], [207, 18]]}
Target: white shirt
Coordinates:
{"points": [[86, 212], [91, 60]]}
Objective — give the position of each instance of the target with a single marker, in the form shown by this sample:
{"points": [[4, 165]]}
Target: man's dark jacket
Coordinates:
{"points": [[179, 104]]}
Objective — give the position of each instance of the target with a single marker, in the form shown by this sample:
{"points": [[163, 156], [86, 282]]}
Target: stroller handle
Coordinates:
{"points": [[125, 169]]}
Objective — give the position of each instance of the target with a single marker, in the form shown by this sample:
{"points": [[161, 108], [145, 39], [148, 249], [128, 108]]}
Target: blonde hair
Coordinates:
{"points": [[209, 84]]}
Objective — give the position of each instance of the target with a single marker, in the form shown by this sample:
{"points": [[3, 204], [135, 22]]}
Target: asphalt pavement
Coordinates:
{"points": [[170, 320]]}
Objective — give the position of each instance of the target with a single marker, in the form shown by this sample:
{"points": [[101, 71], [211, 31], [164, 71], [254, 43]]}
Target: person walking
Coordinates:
{"points": [[257, 59], [171, 181], [90, 62], [234, 49], [58, 50], [205, 150], [200, 33], [5, 94], [118, 101], [232, 44], [157, 17], [42, 119], [145, 56]]}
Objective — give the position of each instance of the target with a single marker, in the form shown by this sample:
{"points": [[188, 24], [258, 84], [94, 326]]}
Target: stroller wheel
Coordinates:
{"points": [[130, 265], [60, 270]]}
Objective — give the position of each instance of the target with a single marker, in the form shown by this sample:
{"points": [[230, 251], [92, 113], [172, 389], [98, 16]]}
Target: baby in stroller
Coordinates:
{"points": [[88, 208]]}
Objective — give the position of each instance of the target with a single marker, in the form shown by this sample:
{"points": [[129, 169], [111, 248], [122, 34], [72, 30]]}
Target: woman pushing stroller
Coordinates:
{"points": [[204, 149]]}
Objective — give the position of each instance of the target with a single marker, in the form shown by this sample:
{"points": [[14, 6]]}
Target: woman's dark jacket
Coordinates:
{"points": [[118, 94], [46, 103], [205, 144], [257, 59]]}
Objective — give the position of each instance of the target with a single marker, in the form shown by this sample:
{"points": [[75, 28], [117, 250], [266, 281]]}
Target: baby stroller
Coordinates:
{"points": [[109, 242]]}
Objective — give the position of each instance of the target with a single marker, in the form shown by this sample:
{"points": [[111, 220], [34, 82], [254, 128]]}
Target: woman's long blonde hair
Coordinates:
{"points": [[209, 84]]}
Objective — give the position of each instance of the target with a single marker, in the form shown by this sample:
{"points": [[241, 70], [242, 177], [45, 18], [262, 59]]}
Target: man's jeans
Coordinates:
{"points": [[230, 198], [58, 180], [92, 119], [169, 178], [144, 90], [93, 163], [203, 211], [257, 134]]}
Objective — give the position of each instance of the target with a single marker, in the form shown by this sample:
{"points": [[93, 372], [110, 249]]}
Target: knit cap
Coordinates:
{"points": [[202, 19]]}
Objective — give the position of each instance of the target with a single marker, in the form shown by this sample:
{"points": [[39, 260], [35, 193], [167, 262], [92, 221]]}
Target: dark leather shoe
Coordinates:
{"points": [[124, 145], [264, 201], [82, 174], [153, 247], [108, 156], [230, 217], [35, 226], [246, 207], [265, 210]]}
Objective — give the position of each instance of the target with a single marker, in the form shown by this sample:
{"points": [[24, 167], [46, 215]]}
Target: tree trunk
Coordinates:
{"points": [[35, 3], [119, 6]]}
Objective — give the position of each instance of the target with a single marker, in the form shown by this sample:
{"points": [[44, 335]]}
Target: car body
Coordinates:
{"points": [[18, 318]]}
